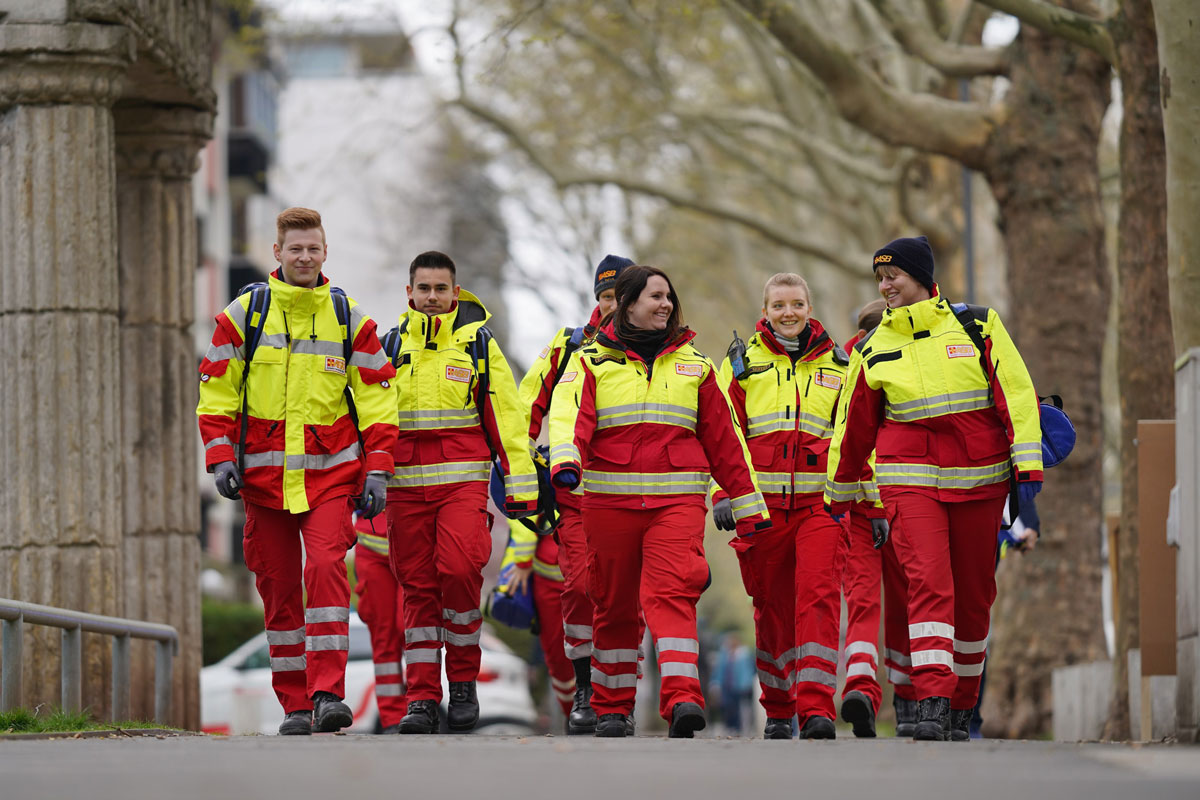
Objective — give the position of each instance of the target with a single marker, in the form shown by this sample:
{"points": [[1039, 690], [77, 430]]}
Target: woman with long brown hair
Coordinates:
{"points": [[640, 417]]}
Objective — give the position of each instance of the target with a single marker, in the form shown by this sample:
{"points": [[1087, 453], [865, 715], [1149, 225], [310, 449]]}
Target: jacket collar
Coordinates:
{"points": [[288, 295], [917, 317], [607, 336], [459, 324], [819, 342], [593, 322]]}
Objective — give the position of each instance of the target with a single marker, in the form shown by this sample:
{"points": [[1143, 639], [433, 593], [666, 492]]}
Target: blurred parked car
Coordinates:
{"points": [[236, 694]]}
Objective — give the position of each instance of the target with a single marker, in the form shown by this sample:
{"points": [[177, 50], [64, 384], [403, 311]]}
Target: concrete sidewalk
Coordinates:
{"points": [[349, 767]]}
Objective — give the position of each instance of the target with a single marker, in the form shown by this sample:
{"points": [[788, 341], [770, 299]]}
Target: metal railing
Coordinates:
{"points": [[73, 623]]}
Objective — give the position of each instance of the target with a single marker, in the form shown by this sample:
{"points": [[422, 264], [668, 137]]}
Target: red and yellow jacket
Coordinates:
{"points": [[917, 395], [537, 388], [786, 410], [527, 549], [648, 435], [443, 443], [301, 445]]}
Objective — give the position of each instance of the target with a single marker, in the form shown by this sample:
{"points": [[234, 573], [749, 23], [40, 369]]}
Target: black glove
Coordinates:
{"points": [[723, 515], [879, 532], [228, 480], [374, 494]]}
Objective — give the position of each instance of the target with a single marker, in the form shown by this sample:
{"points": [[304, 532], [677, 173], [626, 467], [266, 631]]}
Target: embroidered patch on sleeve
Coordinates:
{"points": [[960, 351], [545, 352], [335, 364], [694, 370], [828, 381], [460, 374], [568, 377]]}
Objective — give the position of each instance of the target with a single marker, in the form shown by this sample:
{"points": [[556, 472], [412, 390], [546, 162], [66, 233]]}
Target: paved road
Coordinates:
{"points": [[357, 767]]}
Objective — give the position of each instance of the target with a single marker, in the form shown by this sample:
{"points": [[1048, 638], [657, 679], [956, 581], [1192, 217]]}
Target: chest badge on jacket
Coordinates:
{"points": [[694, 370], [335, 364], [960, 351], [828, 381], [460, 374]]}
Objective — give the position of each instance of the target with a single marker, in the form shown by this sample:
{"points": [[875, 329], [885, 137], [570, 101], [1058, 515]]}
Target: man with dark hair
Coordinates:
{"points": [[275, 416], [459, 410]]}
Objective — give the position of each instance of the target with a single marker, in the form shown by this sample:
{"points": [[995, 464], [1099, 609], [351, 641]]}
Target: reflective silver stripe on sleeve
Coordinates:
{"points": [[968, 670], [679, 645], [387, 668], [461, 617], [862, 648], [389, 689], [517, 484], [577, 631], [426, 634], [678, 669], [748, 505], [318, 347], [376, 360], [899, 658], [775, 682], [289, 664], [327, 642], [462, 639], [841, 492], [923, 658], [860, 670], [217, 442], [919, 630], [814, 675], [224, 352], [970, 647], [615, 656], [424, 655], [575, 651], [819, 651], [324, 461], [780, 663], [327, 614], [271, 458], [898, 678], [624, 681], [295, 636], [564, 452]]}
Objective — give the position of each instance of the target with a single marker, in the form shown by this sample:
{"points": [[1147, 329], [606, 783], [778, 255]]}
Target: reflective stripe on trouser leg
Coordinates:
{"points": [[411, 533], [327, 530], [576, 605], [271, 545], [860, 582], [674, 572], [768, 561], [972, 561], [381, 607], [547, 600], [614, 539], [895, 622], [922, 541], [462, 547], [820, 560]]}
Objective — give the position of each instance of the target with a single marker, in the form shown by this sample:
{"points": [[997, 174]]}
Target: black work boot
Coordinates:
{"points": [[582, 719], [296, 723], [330, 713], [686, 719], [934, 720], [611, 726], [630, 727], [778, 728], [858, 711], [818, 728], [906, 716], [960, 724], [463, 711], [422, 717]]}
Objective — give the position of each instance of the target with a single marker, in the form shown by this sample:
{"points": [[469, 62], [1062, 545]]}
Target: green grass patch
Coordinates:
{"points": [[22, 720]]}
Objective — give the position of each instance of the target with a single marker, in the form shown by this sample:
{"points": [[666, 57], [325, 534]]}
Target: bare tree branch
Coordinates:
{"points": [[939, 16], [952, 60], [926, 122], [1064, 23], [851, 263]]}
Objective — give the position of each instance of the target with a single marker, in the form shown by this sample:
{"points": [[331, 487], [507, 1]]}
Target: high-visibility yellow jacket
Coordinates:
{"points": [[301, 445], [917, 395], [372, 533], [527, 549], [786, 409], [443, 443], [649, 435]]}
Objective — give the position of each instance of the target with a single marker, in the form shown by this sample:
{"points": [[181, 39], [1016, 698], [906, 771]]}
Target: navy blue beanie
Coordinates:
{"points": [[607, 272], [913, 255]]}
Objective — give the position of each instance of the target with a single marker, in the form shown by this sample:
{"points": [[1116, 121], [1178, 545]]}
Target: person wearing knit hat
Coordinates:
{"points": [[607, 272], [912, 255]]}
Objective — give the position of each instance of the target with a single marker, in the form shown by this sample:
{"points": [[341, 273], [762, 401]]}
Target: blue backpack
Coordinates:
{"points": [[515, 610]]}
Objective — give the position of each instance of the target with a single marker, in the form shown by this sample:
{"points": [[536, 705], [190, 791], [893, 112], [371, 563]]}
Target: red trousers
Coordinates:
{"points": [[860, 584], [792, 573], [949, 555], [576, 604], [548, 596], [438, 548], [658, 553], [381, 607], [308, 646], [895, 623]]}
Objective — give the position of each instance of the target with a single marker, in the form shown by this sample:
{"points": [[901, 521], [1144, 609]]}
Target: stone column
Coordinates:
{"points": [[157, 150], [60, 488]]}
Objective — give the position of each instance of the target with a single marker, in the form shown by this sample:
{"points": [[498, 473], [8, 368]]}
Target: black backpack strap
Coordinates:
{"points": [[341, 307], [256, 320], [574, 342]]}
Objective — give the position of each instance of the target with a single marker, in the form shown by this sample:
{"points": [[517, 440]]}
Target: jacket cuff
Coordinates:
{"points": [[566, 466], [1029, 476], [752, 525], [219, 454], [870, 511], [381, 461], [836, 509]]}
